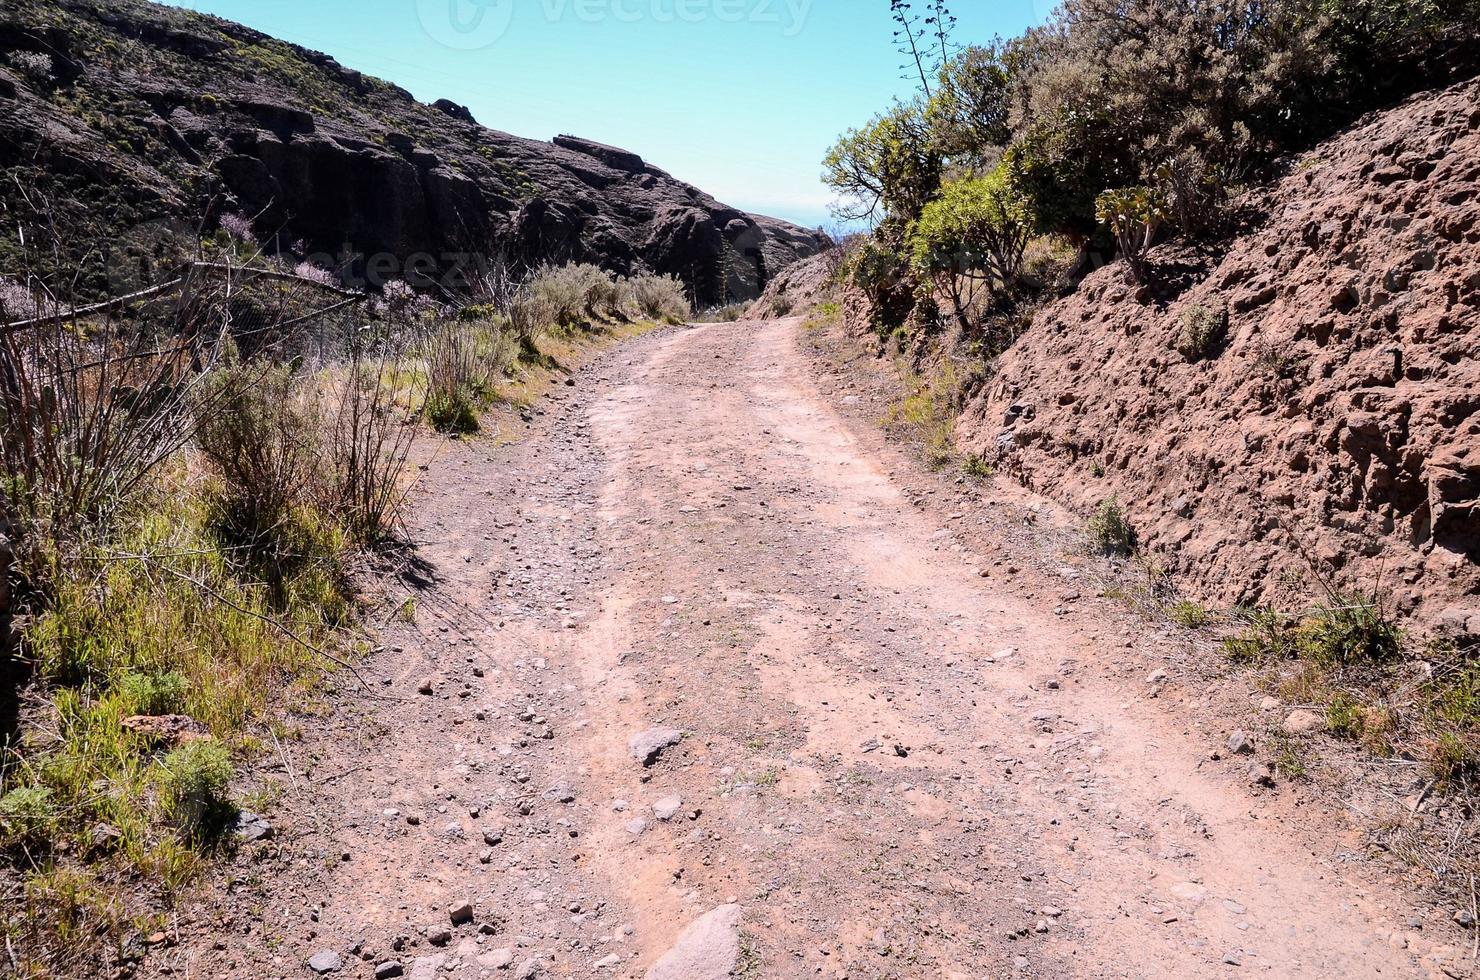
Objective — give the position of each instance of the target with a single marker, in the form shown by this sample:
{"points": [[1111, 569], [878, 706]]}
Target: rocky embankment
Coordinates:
{"points": [[147, 118], [1335, 427]]}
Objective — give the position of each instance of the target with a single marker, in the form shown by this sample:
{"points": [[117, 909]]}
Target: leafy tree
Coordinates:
{"points": [[890, 165], [969, 114], [973, 237]]}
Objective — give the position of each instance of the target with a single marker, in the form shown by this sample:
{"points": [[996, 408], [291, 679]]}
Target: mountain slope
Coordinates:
{"points": [[1338, 426], [141, 115]]}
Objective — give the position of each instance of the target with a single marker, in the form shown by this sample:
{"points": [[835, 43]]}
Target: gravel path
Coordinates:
{"points": [[861, 755]]}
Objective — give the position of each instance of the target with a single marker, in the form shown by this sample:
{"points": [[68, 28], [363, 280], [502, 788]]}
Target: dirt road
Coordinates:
{"points": [[890, 764]]}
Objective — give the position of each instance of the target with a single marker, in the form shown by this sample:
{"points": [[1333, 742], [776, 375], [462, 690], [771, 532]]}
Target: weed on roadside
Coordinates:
{"points": [[1110, 532], [1190, 615], [926, 414]]}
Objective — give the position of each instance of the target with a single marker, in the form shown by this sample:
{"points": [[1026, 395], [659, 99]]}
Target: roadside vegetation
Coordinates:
{"points": [[1018, 166], [188, 485]]}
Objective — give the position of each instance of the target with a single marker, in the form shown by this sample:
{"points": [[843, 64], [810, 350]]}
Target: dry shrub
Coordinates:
{"points": [[260, 436], [464, 364], [369, 441], [657, 298], [571, 295], [89, 411]]}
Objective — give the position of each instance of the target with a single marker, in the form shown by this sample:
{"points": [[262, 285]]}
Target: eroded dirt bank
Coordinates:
{"points": [[893, 764]]}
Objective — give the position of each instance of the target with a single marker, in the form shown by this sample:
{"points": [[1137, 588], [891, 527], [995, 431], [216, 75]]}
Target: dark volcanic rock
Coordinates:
{"points": [[332, 161]]}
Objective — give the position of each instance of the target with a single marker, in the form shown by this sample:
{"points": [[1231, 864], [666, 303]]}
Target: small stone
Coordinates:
{"points": [[647, 746], [1303, 722], [499, 959], [325, 961], [389, 970], [1240, 744], [1232, 958], [253, 828], [425, 687], [461, 913], [608, 962], [1041, 926], [637, 826], [529, 970], [439, 935], [1464, 919], [667, 808], [1158, 676]]}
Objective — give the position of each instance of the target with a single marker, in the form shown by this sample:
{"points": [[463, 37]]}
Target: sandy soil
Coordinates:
{"points": [[902, 755]]}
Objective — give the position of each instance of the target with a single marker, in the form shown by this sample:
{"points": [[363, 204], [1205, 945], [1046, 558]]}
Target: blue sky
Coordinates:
{"points": [[740, 97]]}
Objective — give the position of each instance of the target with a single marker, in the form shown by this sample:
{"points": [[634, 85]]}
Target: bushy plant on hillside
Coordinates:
{"points": [[1110, 532], [571, 295], [465, 363], [974, 234], [259, 433], [1184, 99], [1204, 331], [1134, 216], [878, 269], [889, 167]]}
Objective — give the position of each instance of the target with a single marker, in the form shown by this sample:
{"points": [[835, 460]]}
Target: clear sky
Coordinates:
{"points": [[740, 97]]}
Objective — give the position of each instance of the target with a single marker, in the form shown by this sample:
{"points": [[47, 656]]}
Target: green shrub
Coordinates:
{"points": [[193, 782], [28, 817], [1190, 615], [977, 467], [1267, 636], [259, 432], [878, 269], [464, 364], [154, 693], [1133, 215], [974, 235], [890, 165], [1204, 332], [1344, 716], [1110, 533], [1454, 757], [1354, 630]]}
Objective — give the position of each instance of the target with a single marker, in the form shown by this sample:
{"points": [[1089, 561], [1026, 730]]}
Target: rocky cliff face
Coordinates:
{"points": [[1338, 425], [145, 120]]}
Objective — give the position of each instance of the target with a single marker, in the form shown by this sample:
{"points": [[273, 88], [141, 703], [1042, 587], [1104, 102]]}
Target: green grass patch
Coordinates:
{"points": [[160, 619]]}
